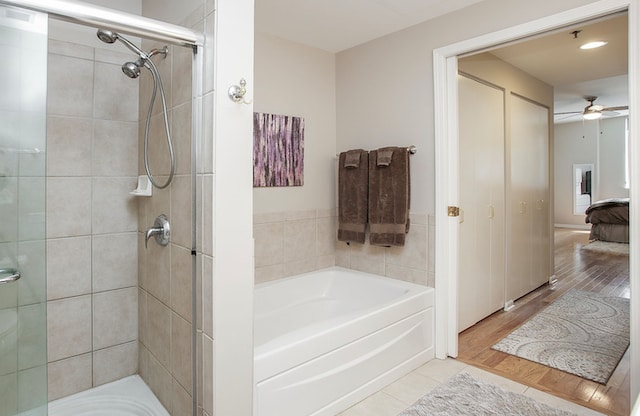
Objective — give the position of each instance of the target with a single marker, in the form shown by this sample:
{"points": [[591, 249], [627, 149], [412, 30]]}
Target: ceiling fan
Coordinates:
{"points": [[594, 111]]}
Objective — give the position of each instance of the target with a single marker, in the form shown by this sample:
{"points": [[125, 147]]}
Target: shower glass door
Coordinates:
{"points": [[23, 324]]}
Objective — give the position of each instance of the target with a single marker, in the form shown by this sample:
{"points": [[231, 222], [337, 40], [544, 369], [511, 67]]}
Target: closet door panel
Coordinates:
{"points": [[481, 268], [529, 232]]}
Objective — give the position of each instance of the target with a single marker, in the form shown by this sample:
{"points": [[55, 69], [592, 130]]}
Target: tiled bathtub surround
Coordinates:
{"points": [[289, 243], [294, 242], [91, 219], [413, 262]]}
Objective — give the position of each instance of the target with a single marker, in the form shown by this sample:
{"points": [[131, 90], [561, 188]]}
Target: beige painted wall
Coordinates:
{"points": [[579, 143], [384, 88], [298, 80]]}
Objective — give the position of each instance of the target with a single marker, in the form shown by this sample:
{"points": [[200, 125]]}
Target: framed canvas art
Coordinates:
{"points": [[278, 150]]}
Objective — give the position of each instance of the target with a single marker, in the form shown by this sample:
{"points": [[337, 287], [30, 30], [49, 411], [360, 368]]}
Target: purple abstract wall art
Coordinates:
{"points": [[278, 150]]}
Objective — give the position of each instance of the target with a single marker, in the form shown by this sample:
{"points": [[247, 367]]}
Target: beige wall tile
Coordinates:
{"points": [[367, 264], [181, 351], [298, 267], [158, 335], [68, 267], [69, 86], [68, 327], [407, 274], [181, 137], [326, 235], [32, 287], [158, 271], [116, 95], [414, 253], [114, 363], [31, 203], [300, 215], [115, 148], [269, 273], [207, 146], [269, 243], [157, 378], [182, 402], [181, 75], [32, 388], [143, 317], [113, 209], [207, 215], [158, 150], [68, 207], [32, 338], [299, 240], [70, 49], [9, 389], [115, 317], [111, 56], [180, 216], [69, 376], [181, 281], [115, 261], [69, 139], [263, 218]]}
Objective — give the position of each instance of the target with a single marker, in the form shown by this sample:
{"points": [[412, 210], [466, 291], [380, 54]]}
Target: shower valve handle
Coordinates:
{"points": [[160, 230]]}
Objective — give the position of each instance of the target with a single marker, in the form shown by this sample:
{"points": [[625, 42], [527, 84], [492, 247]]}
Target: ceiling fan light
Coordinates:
{"points": [[593, 45], [591, 114]]}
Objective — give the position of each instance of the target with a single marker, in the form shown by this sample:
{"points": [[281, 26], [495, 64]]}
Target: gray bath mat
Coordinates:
{"points": [[464, 395], [582, 333]]}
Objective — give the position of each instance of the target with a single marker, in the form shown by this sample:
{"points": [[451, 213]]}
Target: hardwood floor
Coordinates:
{"points": [[575, 268]]}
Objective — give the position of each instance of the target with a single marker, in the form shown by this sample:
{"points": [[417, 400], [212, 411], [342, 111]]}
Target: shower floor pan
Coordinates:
{"points": [[129, 396]]}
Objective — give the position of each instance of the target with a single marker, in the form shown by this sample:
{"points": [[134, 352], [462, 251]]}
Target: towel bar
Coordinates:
{"points": [[411, 149]]}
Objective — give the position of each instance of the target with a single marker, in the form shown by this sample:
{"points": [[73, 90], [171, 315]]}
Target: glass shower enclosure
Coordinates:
{"points": [[23, 324]]}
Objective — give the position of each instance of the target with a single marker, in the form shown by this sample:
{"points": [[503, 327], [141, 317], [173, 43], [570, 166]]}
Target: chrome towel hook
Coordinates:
{"points": [[237, 92]]}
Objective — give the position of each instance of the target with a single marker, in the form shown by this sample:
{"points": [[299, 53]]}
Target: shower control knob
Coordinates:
{"points": [[161, 230]]}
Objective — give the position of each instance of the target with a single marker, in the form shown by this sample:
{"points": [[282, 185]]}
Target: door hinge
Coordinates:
{"points": [[453, 211]]}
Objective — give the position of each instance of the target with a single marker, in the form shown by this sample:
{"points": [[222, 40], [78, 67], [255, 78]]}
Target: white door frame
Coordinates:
{"points": [[445, 70]]}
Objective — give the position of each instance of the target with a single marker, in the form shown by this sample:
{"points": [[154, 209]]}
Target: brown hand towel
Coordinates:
{"points": [[352, 159], [389, 195], [352, 196], [384, 156]]}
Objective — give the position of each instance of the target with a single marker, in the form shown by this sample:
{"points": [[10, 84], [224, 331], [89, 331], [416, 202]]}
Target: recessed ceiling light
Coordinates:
{"points": [[593, 45]]}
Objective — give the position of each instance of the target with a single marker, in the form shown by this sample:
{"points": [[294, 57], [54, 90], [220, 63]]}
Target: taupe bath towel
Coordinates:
{"points": [[389, 196], [353, 176]]}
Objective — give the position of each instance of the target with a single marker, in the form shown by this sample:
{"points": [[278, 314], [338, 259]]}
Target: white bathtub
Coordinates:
{"points": [[327, 339], [129, 396]]}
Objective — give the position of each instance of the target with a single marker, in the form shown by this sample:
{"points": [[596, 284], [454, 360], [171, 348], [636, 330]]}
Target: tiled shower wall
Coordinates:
{"points": [[92, 113], [289, 243], [165, 285], [165, 272]]}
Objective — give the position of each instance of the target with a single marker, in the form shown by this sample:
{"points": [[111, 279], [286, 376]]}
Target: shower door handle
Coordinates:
{"points": [[9, 275]]}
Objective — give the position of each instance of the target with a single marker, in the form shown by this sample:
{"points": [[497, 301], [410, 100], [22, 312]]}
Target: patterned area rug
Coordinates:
{"points": [[582, 333], [607, 247], [464, 395]]}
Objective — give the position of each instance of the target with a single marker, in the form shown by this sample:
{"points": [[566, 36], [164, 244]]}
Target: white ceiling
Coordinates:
{"points": [[336, 25]]}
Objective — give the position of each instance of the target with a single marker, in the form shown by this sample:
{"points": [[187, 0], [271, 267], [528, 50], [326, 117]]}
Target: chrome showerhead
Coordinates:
{"points": [[132, 69], [107, 36]]}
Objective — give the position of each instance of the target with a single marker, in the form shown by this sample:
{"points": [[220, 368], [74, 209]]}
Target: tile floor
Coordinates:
{"points": [[399, 395]]}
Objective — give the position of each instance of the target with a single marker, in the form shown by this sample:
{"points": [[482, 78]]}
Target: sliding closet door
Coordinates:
{"points": [[529, 231], [482, 261]]}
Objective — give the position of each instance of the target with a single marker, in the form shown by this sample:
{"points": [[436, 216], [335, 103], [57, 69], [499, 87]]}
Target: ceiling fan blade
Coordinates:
{"points": [[565, 116], [567, 112], [622, 107]]}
